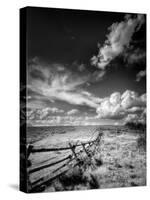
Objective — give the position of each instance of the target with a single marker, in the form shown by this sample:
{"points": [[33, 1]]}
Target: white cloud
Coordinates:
{"points": [[99, 75], [72, 112], [126, 107], [118, 39], [81, 67], [131, 99], [135, 109], [115, 98], [118, 106], [140, 75], [136, 118], [107, 110], [65, 86], [43, 113], [75, 97], [67, 121], [131, 118], [53, 110], [62, 121], [116, 123], [135, 56]]}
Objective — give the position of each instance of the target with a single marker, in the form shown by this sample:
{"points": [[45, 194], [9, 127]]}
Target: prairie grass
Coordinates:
{"points": [[119, 160], [141, 141]]}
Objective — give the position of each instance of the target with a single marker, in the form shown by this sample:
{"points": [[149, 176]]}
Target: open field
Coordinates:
{"points": [[119, 159]]}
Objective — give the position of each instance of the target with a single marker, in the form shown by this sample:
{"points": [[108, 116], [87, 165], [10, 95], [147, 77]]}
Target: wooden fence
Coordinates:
{"points": [[68, 162]]}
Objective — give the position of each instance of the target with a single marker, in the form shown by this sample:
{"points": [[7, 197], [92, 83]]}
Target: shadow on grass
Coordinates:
{"points": [[81, 175]]}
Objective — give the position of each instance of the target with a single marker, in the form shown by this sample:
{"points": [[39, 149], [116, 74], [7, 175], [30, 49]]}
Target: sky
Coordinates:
{"points": [[85, 67]]}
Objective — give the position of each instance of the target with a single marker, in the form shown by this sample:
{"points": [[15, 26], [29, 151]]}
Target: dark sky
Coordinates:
{"points": [[63, 74], [67, 35]]}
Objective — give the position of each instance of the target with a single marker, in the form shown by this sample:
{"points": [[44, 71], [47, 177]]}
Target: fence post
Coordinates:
{"points": [[83, 145], [72, 147], [29, 149]]}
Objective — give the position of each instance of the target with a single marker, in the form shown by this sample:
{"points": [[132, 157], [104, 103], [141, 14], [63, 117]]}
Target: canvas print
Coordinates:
{"points": [[82, 99]]}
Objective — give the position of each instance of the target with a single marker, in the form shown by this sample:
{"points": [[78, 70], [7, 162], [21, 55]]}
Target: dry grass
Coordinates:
{"points": [[141, 141], [119, 161]]}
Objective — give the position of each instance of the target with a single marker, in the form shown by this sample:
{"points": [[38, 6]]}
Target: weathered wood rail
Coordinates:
{"points": [[72, 160]]}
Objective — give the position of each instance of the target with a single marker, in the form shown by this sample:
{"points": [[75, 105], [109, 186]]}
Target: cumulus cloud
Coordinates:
{"points": [[118, 39], [118, 106], [132, 99], [131, 118], [73, 112], [140, 75], [110, 108], [128, 106], [65, 121], [40, 114], [62, 85], [136, 118]]}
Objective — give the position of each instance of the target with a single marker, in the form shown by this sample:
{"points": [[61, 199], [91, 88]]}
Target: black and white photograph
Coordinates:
{"points": [[83, 100]]}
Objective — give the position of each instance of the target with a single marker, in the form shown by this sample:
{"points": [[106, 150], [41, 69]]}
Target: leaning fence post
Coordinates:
{"points": [[29, 150], [72, 147], [83, 145]]}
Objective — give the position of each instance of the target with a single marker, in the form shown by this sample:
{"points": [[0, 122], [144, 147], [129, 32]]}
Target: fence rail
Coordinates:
{"points": [[49, 165], [34, 150], [71, 158]]}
